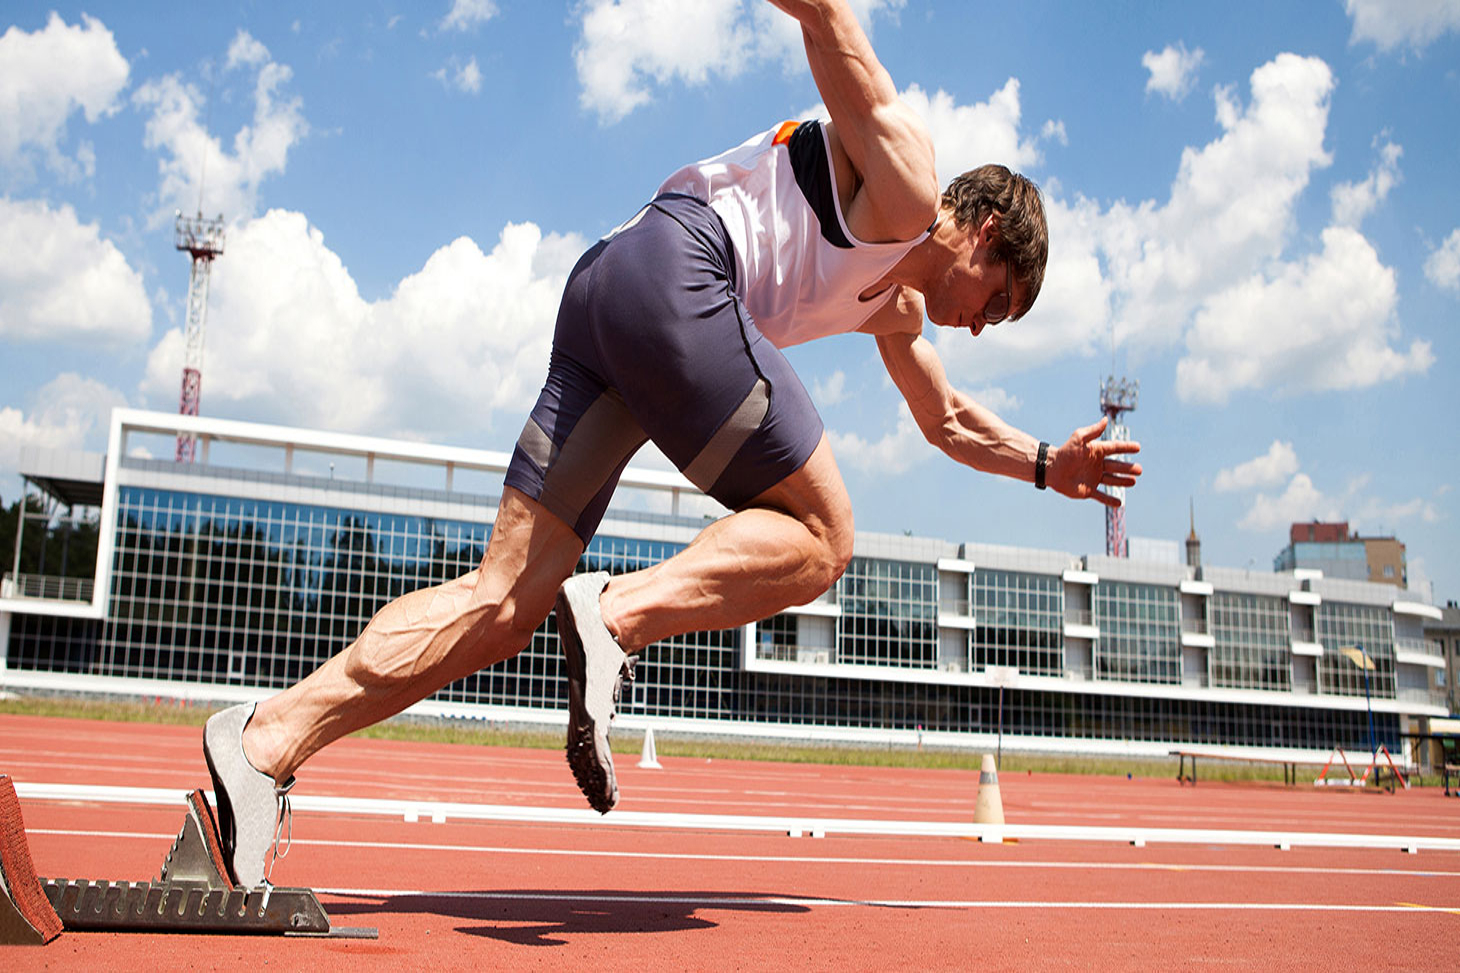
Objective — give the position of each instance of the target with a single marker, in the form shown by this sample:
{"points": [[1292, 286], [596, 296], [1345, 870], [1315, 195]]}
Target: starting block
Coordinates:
{"points": [[192, 893]]}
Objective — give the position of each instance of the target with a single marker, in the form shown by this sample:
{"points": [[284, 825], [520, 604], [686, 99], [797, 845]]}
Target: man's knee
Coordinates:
{"points": [[837, 534]]}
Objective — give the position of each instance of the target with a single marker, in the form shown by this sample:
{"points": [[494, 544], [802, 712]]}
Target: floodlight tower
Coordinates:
{"points": [[203, 240], [1117, 395]]}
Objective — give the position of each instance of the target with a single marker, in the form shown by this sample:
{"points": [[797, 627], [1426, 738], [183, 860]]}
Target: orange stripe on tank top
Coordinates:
{"points": [[783, 134]]}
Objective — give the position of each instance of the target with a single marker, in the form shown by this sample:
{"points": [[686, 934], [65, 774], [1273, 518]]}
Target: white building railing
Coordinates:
{"points": [[47, 587]]}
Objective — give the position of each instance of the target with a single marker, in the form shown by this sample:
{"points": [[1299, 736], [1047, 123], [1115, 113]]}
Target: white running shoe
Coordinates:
{"points": [[597, 668], [252, 808]]}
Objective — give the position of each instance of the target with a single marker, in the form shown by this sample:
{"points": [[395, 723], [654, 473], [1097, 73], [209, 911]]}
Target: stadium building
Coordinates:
{"points": [[236, 574]]}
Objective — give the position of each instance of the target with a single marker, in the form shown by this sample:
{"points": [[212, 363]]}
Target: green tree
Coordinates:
{"points": [[59, 548]]}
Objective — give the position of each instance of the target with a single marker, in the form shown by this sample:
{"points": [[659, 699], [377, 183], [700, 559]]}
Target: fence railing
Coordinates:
{"points": [[1079, 616], [1428, 697], [47, 587], [1419, 647], [955, 606]]}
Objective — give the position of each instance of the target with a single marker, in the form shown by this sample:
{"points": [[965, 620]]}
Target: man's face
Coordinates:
{"points": [[974, 291]]}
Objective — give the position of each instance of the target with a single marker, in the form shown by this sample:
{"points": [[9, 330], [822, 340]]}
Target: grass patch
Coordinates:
{"points": [[460, 732]]}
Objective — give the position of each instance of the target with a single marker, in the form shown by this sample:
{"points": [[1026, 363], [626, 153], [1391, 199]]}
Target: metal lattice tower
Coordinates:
{"points": [[1117, 395], [203, 240]]}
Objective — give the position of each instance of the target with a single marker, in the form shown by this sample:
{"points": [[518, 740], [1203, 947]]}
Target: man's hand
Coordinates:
{"points": [[1085, 463]]}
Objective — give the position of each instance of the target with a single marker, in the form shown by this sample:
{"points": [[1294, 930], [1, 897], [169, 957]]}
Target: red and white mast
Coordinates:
{"points": [[1117, 395], [202, 239]]}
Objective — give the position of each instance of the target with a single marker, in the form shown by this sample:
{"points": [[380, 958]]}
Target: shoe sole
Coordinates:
{"points": [[591, 764], [225, 811]]}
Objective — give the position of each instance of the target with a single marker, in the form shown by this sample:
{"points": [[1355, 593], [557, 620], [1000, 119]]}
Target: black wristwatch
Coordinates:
{"points": [[1039, 466]]}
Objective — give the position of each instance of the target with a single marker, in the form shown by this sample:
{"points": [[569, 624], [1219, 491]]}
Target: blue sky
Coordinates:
{"points": [[1254, 210]]}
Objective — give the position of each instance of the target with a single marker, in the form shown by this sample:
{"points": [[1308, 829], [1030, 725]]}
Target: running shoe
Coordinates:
{"points": [[597, 669], [252, 808]]}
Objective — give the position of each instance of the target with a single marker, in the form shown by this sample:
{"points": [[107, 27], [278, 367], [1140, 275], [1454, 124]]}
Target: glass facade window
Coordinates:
{"points": [[1018, 621], [1370, 627], [249, 592], [776, 638], [1253, 644], [211, 589], [1140, 632], [257, 592], [889, 614]]}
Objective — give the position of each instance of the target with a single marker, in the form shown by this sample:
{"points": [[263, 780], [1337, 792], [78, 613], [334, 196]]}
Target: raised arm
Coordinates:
{"points": [[886, 143], [976, 437]]}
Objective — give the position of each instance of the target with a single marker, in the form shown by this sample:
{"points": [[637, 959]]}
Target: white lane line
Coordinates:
{"points": [[731, 901], [803, 859], [797, 825]]}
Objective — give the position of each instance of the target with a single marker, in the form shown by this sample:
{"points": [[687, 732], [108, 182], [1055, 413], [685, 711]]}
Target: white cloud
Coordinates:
{"points": [[246, 50], [1231, 207], [66, 411], [1442, 268], [1386, 515], [996, 399], [630, 47], [47, 76], [1277, 464], [1302, 500], [1323, 323], [467, 15], [895, 453], [1394, 23], [1352, 201], [290, 339], [466, 78], [1173, 70], [967, 136], [190, 153], [60, 280], [1142, 270], [1299, 502], [1208, 266], [831, 391]]}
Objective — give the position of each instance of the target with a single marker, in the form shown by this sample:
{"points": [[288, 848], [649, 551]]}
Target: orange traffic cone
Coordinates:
{"points": [[989, 808]]}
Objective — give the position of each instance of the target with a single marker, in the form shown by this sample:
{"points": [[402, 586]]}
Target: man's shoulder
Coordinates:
{"points": [[879, 213]]}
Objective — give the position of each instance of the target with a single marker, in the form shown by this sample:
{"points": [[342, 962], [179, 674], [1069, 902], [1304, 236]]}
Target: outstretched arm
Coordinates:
{"points": [[887, 144], [976, 437]]}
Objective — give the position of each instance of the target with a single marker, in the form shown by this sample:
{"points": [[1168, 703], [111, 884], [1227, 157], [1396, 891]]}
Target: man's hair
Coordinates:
{"points": [[1023, 234]]}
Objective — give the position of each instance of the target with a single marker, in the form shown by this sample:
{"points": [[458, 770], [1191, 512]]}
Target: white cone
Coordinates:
{"points": [[650, 757], [989, 809]]}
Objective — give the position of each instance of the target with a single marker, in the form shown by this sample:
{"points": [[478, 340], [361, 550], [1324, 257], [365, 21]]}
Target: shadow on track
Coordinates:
{"points": [[543, 917]]}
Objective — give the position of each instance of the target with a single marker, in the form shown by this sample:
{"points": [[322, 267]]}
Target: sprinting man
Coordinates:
{"points": [[670, 330]]}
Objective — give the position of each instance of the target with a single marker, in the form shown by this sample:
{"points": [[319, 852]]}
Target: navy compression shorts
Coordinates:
{"points": [[652, 343]]}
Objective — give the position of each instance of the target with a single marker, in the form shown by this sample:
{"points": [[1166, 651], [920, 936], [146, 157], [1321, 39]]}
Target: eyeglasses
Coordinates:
{"points": [[997, 308]]}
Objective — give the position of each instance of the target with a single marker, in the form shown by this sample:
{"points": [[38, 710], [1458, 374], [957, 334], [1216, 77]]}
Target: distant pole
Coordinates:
{"points": [[999, 760], [1117, 396], [1369, 702], [202, 240]]}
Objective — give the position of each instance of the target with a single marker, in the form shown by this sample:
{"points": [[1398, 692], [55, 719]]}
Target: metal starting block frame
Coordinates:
{"points": [[192, 893]]}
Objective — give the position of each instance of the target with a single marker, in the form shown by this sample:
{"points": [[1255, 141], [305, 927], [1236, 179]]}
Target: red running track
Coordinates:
{"points": [[476, 895]]}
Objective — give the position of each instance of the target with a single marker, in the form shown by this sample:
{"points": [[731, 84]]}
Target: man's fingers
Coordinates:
{"points": [[1108, 447], [1105, 498]]}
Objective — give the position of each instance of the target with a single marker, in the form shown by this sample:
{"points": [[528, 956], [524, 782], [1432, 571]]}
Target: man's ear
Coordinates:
{"points": [[989, 232]]}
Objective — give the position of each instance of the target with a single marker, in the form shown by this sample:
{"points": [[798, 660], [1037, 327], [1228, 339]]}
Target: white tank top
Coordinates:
{"points": [[799, 269]]}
